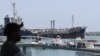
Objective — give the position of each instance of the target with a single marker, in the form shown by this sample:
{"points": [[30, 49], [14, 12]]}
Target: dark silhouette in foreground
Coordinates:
{"points": [[9, 47]]}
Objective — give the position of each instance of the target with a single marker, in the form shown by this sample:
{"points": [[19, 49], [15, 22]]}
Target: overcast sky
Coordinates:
{"points": [[39, 13]]}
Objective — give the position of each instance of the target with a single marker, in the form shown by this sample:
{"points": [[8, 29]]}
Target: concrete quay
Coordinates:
{"points": [[57, 47]]}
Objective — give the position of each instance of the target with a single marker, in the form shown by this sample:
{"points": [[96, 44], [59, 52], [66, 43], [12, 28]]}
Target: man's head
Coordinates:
{"points": [[12, 31]]}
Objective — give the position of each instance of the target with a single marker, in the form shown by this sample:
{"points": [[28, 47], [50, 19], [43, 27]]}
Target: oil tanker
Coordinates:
{"points": [[63, 33], [72, 32]]}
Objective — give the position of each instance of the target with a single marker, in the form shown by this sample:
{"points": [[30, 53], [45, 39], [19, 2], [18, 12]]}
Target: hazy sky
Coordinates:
{"points": [[39, 13]]}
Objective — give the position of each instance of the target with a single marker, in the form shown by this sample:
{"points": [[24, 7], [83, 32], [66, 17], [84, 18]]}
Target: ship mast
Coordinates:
{"points": [[14, 13], [72, 20], [14, 10]]}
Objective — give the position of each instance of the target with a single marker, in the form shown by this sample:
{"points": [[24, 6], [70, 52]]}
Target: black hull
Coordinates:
{"points": [[23, 33], [79, 33], [73, 34]]}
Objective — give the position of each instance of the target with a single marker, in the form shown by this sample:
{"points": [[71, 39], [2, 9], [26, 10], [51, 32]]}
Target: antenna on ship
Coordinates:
{"points": [[16, 18], [14, 10], [72, 20]]}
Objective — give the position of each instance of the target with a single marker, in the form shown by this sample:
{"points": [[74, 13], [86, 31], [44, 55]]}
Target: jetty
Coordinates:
{"points": [[57, 47]]}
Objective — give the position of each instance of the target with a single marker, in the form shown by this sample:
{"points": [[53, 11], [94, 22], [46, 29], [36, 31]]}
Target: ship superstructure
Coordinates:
{"points": [[14, 19]]}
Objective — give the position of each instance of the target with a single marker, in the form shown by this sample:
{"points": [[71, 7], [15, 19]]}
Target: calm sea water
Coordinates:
{"points": [[58, 52]]}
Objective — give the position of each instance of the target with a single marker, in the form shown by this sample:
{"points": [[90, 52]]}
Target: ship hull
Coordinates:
{"points": [[70, 34], [74, 34]]}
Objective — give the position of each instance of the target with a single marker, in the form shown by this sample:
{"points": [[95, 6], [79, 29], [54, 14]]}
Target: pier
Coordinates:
{"points": [[24, 46], [85, 51], [64, 48]]}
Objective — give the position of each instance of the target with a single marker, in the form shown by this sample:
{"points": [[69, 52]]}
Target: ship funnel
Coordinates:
{"points": [[52, 24]]}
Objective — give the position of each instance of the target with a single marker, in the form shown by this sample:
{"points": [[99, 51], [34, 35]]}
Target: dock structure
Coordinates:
{"points": [[24, 46], [97, 44], [60, 47], [93, 52]]}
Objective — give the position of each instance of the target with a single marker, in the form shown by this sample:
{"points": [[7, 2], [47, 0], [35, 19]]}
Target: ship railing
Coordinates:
{"points": [[56, 31], [50, 30]]}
